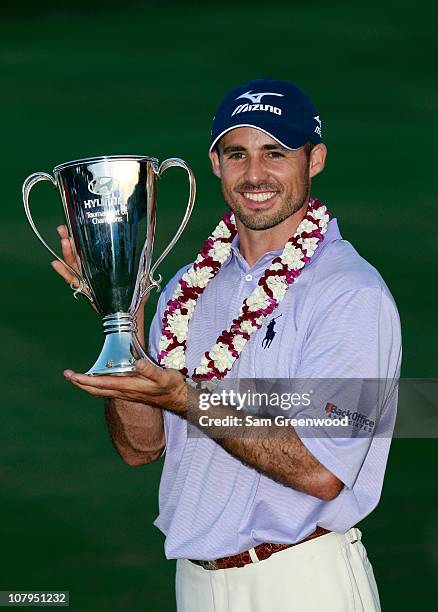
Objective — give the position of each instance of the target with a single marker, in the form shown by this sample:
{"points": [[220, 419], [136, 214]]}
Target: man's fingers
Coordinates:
{"points": [[104, 386], [94, 391], [148, 380], [130, 388], [67, 246], [117, 383], [63, 272], [68, 256], [68, 253], [62, 231], [98, 382]]}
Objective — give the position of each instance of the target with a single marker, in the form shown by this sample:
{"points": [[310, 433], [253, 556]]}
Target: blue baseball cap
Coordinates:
{"points": [[278, 108]]}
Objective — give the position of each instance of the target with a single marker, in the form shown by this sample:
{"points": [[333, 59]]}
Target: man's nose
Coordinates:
{"points": [[255, 171]]}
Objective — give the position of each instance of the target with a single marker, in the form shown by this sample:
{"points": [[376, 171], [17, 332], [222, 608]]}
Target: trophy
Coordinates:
{"points": [[110, 210]]}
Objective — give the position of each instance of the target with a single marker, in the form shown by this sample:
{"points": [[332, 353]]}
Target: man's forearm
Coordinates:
{"points": [[276, 452], [279, 453], [136, 429]]}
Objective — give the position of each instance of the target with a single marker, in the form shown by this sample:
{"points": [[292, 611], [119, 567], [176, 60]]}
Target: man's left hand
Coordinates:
{"points": [[149, 384]]}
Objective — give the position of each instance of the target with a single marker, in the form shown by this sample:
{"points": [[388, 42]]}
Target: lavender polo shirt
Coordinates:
{"points": [[338, 321]]}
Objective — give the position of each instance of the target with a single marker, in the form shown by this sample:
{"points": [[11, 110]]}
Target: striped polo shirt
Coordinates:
{"points": [[339, 321]]}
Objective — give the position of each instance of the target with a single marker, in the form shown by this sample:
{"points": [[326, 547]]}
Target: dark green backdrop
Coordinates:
{"points": [[106, 78]]}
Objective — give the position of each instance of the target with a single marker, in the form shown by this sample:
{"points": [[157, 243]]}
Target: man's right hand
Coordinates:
{"points": [[136, 429], [69, 258]]}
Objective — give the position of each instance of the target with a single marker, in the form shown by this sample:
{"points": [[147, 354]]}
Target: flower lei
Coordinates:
{"points": [[271, 288]]}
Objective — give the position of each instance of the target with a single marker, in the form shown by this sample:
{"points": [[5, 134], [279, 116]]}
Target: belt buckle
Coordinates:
{"points": [[208, 565]]}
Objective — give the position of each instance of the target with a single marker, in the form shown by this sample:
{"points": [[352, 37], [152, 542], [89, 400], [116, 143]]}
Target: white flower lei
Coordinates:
{"points": [[263, 300]]}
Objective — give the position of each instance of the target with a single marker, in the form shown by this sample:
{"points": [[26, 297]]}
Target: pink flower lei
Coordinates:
{"points": [[271, 288]]}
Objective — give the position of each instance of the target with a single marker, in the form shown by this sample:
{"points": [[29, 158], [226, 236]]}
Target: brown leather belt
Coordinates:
{"points": [[263, 551]]}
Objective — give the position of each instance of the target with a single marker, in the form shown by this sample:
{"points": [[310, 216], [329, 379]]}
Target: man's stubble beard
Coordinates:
{"points": [[261, 221]]}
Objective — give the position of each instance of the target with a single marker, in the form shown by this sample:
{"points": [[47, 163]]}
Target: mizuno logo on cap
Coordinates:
{"points": [[256, 98], [244, 108]]}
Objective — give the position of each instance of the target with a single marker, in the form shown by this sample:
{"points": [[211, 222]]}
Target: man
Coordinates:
{"points": [[263, 522]]}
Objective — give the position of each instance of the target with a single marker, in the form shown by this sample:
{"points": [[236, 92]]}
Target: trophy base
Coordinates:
{"points": [[121, 348]]}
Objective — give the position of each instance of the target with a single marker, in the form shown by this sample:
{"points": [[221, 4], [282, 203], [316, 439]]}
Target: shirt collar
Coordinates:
{"points": [[330, 236]]}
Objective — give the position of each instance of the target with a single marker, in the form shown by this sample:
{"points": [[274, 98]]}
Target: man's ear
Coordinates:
{"points": [[215, 164], [317, 159]]}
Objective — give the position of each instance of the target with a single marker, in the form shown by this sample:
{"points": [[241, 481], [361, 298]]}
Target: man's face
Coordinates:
{"points": [[262, 182]]}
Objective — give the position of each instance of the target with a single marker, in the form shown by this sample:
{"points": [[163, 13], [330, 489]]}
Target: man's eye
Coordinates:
{"points": [[275, 154], [237, 155]]}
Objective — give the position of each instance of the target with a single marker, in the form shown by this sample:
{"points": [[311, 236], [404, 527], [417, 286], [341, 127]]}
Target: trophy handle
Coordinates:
{"points": [[32, 180], [169, 163], [179, 163]]}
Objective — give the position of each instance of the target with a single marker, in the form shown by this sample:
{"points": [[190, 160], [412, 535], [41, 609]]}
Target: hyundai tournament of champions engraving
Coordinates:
{"points": [[110, 209]]}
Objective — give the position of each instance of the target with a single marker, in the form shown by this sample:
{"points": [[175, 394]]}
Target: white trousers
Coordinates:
{"points": [[330, 573]]}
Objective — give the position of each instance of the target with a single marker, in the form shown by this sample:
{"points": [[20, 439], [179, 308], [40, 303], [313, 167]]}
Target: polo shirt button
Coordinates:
{"points": [[248, 277]]}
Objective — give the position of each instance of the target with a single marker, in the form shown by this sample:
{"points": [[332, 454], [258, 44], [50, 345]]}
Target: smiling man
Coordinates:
{"points": [[266, 185], [287, 171], [263, 522]]}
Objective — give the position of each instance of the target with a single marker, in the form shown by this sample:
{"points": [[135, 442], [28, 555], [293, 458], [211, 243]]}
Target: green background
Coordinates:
{"points": [[95, 78]]}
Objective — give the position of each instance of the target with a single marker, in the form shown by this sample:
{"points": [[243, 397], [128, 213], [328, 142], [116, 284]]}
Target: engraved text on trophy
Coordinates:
{"points": [[112, 206]]}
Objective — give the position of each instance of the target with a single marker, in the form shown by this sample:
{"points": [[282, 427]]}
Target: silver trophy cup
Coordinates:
{"points": [[110, 209]]}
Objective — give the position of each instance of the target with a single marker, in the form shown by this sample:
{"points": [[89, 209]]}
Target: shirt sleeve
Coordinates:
{"points": [[351, 361]]}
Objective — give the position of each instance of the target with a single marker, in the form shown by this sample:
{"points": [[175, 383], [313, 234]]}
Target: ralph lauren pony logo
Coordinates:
{"points": [[270, 333]]}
